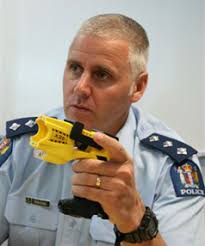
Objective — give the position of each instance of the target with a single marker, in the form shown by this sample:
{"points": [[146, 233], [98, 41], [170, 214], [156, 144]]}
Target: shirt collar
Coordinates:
{"points": [[126, 134]]}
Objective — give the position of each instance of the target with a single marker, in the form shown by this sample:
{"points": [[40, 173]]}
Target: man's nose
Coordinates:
{"points": [[83, 85]]}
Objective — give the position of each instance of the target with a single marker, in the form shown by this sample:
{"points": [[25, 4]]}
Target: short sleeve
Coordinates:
{"points": [[182, 218]]}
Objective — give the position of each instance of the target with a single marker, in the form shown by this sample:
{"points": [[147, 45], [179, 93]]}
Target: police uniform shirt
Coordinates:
{"points": [[31, 188]]}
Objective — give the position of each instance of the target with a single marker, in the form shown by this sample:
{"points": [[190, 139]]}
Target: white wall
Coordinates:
{"points": [[34, 38], [203, 81]]}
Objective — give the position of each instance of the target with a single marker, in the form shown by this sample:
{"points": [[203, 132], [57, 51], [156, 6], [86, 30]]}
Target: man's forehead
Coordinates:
{"points": [[96, 48], [98, 45]]}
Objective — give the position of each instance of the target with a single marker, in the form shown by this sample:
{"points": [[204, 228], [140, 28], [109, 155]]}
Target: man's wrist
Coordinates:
{"points": [[147, 230]]}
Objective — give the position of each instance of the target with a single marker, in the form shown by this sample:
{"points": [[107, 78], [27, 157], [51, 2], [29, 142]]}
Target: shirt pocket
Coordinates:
{"points": [[31, 224], [101, 231]]}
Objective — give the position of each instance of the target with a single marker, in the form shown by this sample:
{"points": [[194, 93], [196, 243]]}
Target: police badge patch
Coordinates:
{"points": [[5, 149], [187, 179]]}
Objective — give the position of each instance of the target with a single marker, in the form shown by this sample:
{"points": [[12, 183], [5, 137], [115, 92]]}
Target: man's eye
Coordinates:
{"points": [[75, 68], [102, 75]]}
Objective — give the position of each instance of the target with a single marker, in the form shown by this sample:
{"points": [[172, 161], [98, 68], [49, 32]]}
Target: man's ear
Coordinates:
{"points": [[139, 87]]}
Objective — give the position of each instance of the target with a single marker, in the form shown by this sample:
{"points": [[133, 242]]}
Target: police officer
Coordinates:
{"points": [[151, 188]]}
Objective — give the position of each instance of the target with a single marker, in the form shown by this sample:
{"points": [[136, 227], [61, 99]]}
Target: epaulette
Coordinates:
{"points": [[15, 128], [176, 149], [18, 127], [185, 174]]}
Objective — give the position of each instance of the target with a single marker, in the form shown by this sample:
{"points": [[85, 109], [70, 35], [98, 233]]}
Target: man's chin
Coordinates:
{"points": [[88, 124]]}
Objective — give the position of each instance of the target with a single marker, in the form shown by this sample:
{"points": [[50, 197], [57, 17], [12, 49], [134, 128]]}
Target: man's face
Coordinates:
{"points": [[97, 83]]}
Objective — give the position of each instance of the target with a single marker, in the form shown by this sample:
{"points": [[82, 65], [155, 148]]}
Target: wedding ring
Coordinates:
{"points": [[98, 182]]}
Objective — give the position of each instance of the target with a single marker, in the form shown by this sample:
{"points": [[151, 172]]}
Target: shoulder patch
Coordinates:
{"points": [[21, 126], [177, 150], [187, 179], [5, 149]]}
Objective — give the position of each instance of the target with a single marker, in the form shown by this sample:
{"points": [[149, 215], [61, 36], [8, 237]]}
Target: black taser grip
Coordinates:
{"points": [[81, 207]]}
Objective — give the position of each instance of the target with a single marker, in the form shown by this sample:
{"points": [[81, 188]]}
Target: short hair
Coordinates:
{"points": [[118, 26]]}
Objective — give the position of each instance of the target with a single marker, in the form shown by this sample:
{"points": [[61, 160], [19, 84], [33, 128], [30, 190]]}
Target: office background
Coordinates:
{"points": [[34, 39]]}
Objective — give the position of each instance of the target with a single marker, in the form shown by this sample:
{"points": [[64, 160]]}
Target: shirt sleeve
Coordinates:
{"points": [[181, 219], [5, 183]]}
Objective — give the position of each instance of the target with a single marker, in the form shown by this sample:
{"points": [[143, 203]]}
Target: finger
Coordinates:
{"points": [[96, 167], [90, 193], [86, 179], [112, 146], [96, 181]]}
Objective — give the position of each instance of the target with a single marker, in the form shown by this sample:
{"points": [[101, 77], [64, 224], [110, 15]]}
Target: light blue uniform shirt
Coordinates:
{"points": [[181, 219]]}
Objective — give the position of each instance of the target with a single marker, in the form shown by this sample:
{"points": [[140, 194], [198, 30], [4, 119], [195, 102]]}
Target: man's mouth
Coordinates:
{"points": [[80, 107]]}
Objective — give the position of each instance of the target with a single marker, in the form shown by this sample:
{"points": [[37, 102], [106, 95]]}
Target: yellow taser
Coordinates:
{"points": [[59, 141]]}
